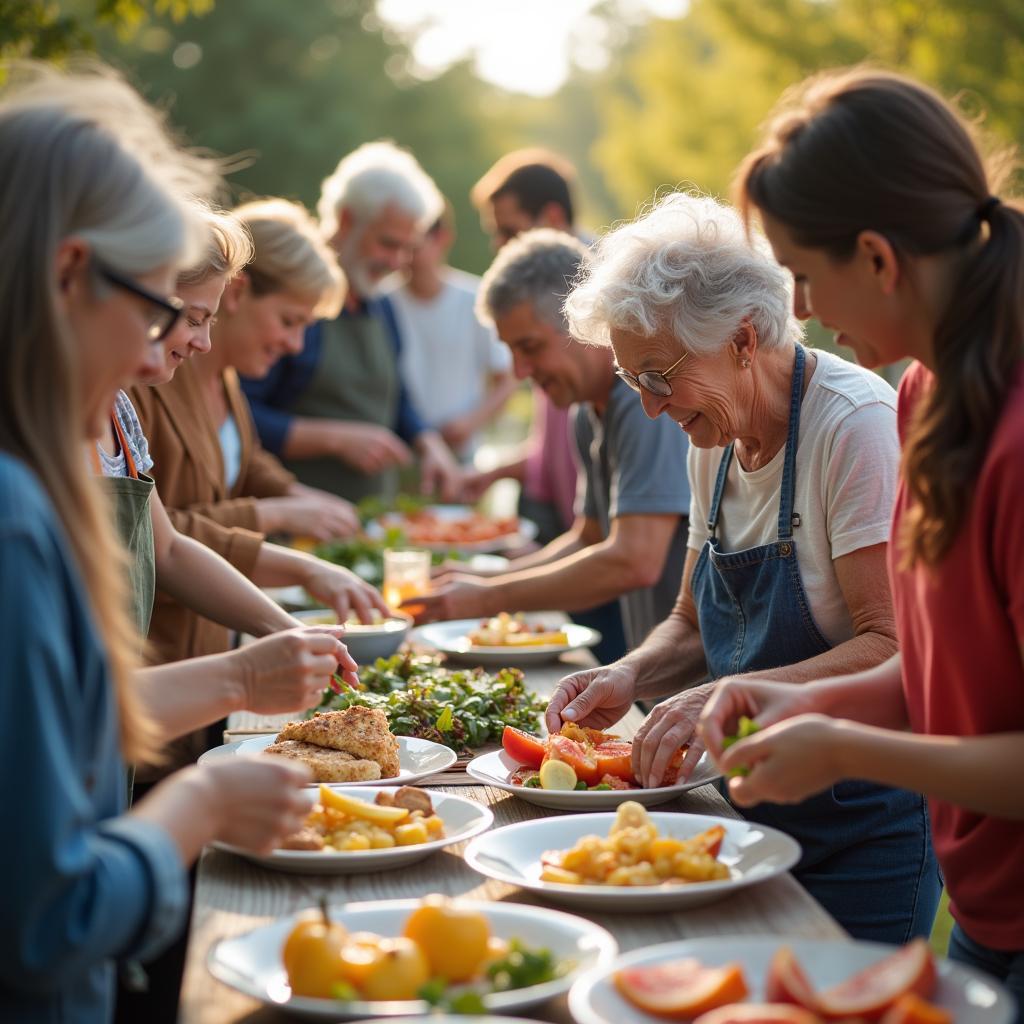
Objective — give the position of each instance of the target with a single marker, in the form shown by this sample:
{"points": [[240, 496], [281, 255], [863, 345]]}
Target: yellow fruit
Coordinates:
{"points": [[399, 971], [311, 956], [453, 937], [358, 957], [360, 808], [557, 775]]}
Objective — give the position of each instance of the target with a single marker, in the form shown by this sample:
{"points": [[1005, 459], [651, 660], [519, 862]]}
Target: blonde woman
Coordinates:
{"points": [[94, 232], [180, 425]]}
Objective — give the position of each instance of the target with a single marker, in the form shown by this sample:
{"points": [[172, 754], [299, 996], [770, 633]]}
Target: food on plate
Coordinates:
{"points": [[633, 853], [353, 623], [599, 760], [894, 990], [351, 745], [462, 708], [443, 942], [744, 727], [427, 527], [340, 823], [506, 630], [681, 989]]}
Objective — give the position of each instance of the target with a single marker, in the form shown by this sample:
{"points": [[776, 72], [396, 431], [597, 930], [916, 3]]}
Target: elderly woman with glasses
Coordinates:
{"points": [[793, 464]]}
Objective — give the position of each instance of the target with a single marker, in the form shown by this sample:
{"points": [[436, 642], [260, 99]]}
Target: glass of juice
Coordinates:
{"points": [[406, 574]]}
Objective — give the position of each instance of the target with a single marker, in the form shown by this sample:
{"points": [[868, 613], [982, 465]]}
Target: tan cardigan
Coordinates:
{"points": [[189, 471]]}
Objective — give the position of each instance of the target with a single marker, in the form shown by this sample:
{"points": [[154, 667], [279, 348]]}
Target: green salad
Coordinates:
{"points": [[462, 708]]}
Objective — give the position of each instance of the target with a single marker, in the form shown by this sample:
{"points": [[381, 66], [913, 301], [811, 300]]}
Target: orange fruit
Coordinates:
{"points": [[311, 956], [912, 1009], [759, 1013], [358, 956], [787, 982], [681, 989], [453, 937], [869, 993], [399, 971]]}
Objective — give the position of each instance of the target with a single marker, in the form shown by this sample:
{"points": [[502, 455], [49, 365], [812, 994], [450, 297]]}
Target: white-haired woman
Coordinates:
{"points": [[792, 465], [95, 231]]}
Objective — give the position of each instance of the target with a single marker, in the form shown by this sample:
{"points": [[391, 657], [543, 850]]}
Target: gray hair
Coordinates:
{"points": [[374, 176], [538, 267], [688, 267]]}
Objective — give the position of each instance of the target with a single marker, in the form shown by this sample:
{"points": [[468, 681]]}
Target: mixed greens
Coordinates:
{"points": [[462, 708]]}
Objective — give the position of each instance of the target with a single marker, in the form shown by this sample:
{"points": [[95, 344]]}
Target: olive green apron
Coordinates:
{"points": [[130, 497], [356, 378]]}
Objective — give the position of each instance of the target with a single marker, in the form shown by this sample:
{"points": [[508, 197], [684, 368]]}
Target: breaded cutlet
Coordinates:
{"points": [[327, 765], [360, 731]]}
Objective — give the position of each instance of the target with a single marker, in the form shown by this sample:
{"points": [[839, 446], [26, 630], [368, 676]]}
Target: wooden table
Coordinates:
{"points": [[234, 896]]}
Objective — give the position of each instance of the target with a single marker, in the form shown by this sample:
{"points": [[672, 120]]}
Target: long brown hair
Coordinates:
{"points": [[865, 149], [81, 155]]}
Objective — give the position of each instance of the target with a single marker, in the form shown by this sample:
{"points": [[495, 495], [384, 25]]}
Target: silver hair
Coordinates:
{"points": [[538, 267], [687, 267], [374, 176]]}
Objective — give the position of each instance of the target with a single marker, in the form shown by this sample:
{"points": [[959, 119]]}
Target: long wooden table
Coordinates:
{"points": [[234, 896]]}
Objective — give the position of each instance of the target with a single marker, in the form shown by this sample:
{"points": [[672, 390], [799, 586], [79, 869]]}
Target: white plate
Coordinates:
{"points": [[416, 758], [496, 768], [526, 531], [970, 996], [462, 818], [252, 964], [752, 853], [452, 1018], [452, 639]]}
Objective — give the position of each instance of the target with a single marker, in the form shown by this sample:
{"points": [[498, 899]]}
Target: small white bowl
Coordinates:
{"points": [[366, 643]]}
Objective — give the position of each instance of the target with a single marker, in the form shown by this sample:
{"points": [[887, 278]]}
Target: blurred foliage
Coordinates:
{"points": [[290, 88]]}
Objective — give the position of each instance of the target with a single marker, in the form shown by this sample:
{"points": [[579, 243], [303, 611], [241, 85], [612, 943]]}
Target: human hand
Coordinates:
{"points": [[786, 762], [439, 472], [474, 483], [289, 671], [596, 697], [454, 597], [669, 726], [762, 700], [342, 590], [458, 431], [255, 801], [322, 517], [368, 447]]}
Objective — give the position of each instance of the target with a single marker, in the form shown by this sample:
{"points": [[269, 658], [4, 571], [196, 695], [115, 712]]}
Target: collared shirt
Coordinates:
{"points": [[86, 885], [272, 398]]}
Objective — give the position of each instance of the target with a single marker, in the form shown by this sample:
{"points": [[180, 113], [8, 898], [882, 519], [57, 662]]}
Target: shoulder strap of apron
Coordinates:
{"points": [[129, 463], [786, 517]]}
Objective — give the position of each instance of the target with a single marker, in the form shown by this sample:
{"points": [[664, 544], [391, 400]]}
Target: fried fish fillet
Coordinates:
{"points": [[327, 765], [360, 731]]}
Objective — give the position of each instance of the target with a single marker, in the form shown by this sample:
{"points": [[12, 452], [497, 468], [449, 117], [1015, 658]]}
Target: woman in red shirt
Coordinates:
{"points": [[874, 195]]}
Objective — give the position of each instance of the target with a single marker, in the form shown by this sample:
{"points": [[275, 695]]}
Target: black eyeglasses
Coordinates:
{"points": [[654, 381], [165, 311]]}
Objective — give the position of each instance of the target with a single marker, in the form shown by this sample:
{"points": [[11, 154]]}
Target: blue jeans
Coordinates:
{"points": [[1004, 966]]}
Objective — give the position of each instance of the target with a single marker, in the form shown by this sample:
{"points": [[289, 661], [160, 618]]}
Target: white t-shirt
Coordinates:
{"points": [[847, 462], [230, 449], [447, 353]]}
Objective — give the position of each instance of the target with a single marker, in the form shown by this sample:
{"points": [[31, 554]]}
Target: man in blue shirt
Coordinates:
{"points": [[338, 413], [628, 540]]}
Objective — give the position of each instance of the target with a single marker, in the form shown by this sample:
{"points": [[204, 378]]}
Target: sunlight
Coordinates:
{"points": [[520, 45]]}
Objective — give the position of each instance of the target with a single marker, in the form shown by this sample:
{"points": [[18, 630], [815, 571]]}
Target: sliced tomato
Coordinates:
{"points": [[522, 747], [709, 841], [582, 762], [759, 1013], [871, 992], [615, 782], [681, 988], [787, 982], [615, 757]]}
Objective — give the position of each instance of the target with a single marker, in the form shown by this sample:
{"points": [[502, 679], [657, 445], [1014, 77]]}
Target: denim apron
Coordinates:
{"points": [[867, 855]]}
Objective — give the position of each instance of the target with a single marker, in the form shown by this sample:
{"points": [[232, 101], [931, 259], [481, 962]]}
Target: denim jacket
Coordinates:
{"points": [[83, 884]]}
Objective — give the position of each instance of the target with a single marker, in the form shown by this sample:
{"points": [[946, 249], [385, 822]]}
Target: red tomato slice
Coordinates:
{"points": [[681, 988], [787, 982], [584, 764], [759, 1013], [615, 757], [522, 747], [871, 992]]}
